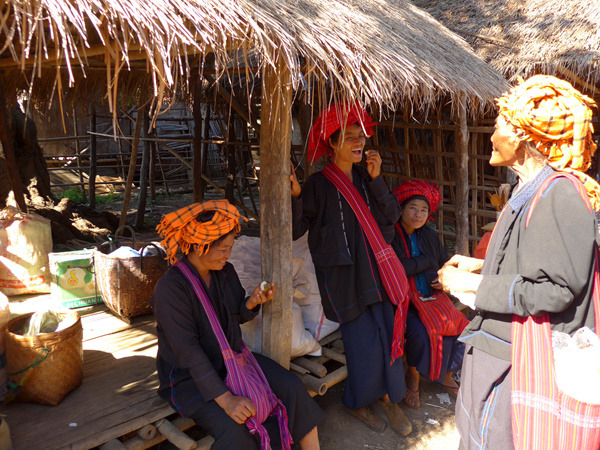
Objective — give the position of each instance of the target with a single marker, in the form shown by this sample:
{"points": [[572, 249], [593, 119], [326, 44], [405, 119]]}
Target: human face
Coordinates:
{"points": [[414, 215], [350, 145], [505, 144], [217, 254]]}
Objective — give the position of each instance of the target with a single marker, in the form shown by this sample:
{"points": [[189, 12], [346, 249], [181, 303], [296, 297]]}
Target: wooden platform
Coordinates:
{"points": [[118, 394]]}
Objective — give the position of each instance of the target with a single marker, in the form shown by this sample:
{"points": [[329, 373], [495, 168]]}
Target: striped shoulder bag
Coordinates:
{"points": [[244, 375], [543, 417]]}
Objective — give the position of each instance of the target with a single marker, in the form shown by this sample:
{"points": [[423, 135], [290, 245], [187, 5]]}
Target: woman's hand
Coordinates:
{"points": [[296, 189], [466, 263], [435, 284], [238, 408], [373, 159], [259, 297], [456, 280]]}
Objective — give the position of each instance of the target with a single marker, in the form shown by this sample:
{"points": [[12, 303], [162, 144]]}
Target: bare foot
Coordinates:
{"points": [[411, 398]]}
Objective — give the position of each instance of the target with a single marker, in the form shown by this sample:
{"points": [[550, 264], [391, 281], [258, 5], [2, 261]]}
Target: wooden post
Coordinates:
{"points": [[93, 150], [231, 160], [77, 152], [143, 194], [152, 177], [275, 210], [133, 161], [462, 180], [197, 108]]}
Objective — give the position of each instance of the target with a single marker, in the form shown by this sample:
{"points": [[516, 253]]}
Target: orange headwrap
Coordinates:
{"points": [[557, 119], [330, 120], [180, 229]]}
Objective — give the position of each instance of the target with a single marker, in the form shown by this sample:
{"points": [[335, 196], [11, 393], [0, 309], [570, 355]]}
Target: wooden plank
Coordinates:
{"points": [[275, 210], [462, 180]]}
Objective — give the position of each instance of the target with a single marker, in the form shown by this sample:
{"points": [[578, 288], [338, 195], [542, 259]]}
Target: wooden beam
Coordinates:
{"points": [[143, 194], [197, 159], [93, 158], [462, 179], [275, 209]]}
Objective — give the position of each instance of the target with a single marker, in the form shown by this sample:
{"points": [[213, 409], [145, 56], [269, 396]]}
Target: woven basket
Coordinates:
{"points": [[126, 284], [46, 379]]}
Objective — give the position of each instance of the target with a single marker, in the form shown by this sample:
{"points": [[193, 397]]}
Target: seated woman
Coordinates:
{"points": [[191, 368], [433, 323]]}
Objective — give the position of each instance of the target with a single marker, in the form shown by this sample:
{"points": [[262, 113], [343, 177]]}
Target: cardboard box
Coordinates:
{"points": [[73, 281]]}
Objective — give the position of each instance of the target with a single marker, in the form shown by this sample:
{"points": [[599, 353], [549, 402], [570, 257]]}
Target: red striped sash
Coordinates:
{"points": [[244, 375], [439, 316], [543, 417], [391, 270]]}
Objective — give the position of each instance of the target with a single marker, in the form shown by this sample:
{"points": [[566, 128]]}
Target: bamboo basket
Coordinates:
{"points": [[47, 366], [126, 284]]}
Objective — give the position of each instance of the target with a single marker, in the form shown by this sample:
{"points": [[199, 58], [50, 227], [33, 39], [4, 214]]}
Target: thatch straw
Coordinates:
{"points": [[523, 37], [371, 50]]}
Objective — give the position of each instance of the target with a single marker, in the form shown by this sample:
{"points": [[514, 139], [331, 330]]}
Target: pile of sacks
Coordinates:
{"points": [[309, 324]]}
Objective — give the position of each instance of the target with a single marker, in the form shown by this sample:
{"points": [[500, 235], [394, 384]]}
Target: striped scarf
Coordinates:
{"points": [[543, 417], [390, 269], [180, 229], [244, 376], [439, 316]]}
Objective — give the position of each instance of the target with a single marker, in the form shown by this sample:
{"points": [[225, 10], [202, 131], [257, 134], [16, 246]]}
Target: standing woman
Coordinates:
{"points": [[191, 368], [349, 279], [432, 322], [540, 260]]}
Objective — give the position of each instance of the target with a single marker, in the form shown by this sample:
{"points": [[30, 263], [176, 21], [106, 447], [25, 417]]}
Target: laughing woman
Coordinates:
{"points": [[349, 279], [199, 304]]}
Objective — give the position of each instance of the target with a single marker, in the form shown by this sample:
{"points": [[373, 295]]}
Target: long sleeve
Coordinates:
{"points": [[555, 263], [175, 316]]}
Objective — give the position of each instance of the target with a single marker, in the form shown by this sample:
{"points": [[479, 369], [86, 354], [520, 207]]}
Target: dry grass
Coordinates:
{"points": [[379, 51]]}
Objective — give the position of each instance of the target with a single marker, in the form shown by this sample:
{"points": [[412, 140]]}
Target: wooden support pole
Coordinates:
{"points": [[143, 194], [77, 152], [197, 108], [93, 158], [152, 177], [462, 180], [231, 160], [6, 137], [275, 210], [132, 162]]}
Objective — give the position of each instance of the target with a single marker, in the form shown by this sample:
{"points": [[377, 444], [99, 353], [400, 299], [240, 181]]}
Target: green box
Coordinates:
{"points": [[73, 281]]}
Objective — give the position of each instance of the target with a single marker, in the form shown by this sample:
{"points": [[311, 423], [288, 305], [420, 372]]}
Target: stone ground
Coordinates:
{"points": [[433, 423]]}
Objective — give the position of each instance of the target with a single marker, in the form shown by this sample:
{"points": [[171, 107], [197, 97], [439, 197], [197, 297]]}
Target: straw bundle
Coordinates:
{"points": [[370, 50]]}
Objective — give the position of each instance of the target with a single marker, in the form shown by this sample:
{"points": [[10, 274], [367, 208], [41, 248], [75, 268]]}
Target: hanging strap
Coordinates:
{"points": [[544, 418], [391, 270], [249, 381]]}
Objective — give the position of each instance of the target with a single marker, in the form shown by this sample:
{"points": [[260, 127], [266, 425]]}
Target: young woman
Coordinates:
{"points": [[190, 363], [430, 350], [349, 279]]}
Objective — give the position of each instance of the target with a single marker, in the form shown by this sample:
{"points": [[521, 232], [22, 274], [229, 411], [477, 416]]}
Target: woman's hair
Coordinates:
{"points": [[415, 197], [335, 137]]}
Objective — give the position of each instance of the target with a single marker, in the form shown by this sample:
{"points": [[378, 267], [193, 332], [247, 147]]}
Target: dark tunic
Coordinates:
{"points": [[546, 268], [349, 283], [190, 365], [417, 345]]}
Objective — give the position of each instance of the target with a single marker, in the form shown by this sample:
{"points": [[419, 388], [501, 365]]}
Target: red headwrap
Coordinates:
{"points": [[413, 188], [329, 121]]}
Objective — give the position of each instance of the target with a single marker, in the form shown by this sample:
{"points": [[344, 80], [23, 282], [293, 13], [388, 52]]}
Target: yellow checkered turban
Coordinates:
{"points": [[180, 229], [557, 119]]}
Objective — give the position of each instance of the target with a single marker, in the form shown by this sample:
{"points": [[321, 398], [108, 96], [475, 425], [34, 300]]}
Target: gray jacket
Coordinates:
{"points": [[546, 268]]}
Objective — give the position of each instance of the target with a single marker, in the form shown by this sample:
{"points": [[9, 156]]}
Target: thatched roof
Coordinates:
{"points": [[523, 37], [373, 50]]}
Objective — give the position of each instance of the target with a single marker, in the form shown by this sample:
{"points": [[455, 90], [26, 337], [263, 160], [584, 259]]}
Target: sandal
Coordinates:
{"points": [[412, 398], [452, 390]]}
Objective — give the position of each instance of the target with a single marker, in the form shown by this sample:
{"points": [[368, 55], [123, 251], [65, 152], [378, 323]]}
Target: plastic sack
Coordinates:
{"points": [[577, 364], [307, 293], [25, 241], [245, 257], [124, 252], [45, 322]]}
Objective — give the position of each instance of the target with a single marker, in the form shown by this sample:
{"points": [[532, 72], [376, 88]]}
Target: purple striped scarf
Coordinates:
{"points": [[391, 270], [244, 376]]}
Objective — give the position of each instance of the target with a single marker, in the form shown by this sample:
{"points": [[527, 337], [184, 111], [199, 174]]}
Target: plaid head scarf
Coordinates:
{"points": [[557, 119], [409, 189], [180, 229], [329, 121]]}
